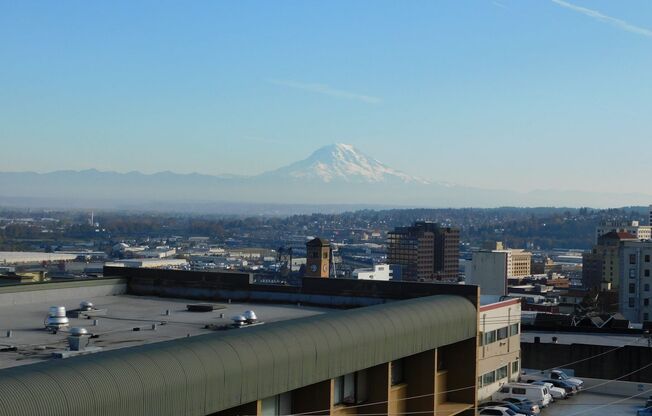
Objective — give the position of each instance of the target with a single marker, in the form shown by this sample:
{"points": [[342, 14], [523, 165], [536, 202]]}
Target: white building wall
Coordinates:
{"points": [[489, 270], [378, 272]]}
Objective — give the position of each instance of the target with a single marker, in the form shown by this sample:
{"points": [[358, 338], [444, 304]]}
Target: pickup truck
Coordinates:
{"points": [[530, 376]]}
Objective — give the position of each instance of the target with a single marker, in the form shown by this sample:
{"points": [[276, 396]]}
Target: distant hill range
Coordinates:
{"points": [[333, 178]]}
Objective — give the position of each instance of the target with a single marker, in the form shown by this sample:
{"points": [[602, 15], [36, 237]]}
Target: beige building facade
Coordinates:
{"points": [[499, 346]]}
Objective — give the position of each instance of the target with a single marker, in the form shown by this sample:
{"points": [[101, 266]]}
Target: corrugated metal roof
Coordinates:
{"points": [[209, 373]]}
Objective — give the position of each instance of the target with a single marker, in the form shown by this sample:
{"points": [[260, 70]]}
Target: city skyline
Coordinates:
{"points": [[502, 94]]}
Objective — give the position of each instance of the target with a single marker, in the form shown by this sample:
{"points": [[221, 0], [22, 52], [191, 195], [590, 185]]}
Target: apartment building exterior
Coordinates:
{"points": [[425, 251], [635, 294], [499, 345]]}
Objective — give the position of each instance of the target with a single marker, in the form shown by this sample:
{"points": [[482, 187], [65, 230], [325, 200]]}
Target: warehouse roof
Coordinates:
{"points": [[128, 322], [208, 373]]}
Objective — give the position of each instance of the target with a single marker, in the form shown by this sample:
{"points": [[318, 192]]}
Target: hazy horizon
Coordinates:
{"points": [[517, 96]]}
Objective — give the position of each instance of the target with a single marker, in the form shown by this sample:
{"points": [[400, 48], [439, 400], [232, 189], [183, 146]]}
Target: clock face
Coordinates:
{"points": [[313, 268]]}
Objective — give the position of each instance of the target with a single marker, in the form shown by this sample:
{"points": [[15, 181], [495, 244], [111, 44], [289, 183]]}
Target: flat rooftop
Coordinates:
{"points": [[116, 329], [589, 403]]}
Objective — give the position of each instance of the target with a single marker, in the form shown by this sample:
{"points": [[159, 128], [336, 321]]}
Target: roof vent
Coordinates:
{"points": [[86, 306], [56, 319], [78, 339], [239, 320], [250, 316]]}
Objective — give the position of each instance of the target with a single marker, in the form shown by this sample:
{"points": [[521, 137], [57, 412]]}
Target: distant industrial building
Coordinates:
{"points": [[149, 263], [377, 272], [425, 251], [32, 257]]}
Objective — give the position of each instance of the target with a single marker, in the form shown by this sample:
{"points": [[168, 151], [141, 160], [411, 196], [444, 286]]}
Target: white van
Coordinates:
{"points": [[535, 393]]}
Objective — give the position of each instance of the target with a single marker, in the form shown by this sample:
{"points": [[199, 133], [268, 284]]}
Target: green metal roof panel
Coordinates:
{"points": [[208, 373]]}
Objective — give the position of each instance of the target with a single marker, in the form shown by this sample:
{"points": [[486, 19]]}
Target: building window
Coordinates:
{"points": [[647, 258], [515, 367], [501, 373], [632, 288], [350, 388], [397, 372], [632, 302], [646, 273], [489, 337], [632, 273], [277, 405], [646, 302], [513, 330], [646, 316], [502, 333], [489, 378], [344, 389], [632, 259], [646, 287]]}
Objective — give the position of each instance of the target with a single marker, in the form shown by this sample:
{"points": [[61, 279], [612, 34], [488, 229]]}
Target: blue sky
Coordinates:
{"points": [[507, 94]]}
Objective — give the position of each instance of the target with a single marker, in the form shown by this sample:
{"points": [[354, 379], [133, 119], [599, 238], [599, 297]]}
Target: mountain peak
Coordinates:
{"points": [[344, 163]]}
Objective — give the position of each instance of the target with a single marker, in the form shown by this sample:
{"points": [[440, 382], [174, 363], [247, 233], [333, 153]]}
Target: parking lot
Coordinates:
{"points": [[588, 403]]}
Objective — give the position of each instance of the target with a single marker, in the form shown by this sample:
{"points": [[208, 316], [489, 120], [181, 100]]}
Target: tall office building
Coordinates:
{"points": [[601, 266], [425, 251]]}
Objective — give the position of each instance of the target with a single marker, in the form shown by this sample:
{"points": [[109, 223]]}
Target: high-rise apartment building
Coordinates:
{"points": [[425, 251]]}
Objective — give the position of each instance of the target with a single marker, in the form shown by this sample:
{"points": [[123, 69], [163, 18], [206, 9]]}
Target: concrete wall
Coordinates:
{"points": [[315, 291], [57, 291], [609, 365]]}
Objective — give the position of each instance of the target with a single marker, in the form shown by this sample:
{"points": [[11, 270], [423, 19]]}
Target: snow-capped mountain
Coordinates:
{"points": [[332, 175], [341, 162]]}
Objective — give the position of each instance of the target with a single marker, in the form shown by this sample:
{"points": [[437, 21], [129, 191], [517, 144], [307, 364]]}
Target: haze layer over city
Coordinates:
{"points": [[280, 208]]}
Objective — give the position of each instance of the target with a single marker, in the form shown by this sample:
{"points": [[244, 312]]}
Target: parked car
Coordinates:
{"points": [[513, 407], [553, 375], [498, 411], [538, 394], [568, 387], [555, 392], [525, 405]]}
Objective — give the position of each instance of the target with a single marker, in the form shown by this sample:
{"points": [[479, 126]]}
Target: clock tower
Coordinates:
{"points": [[318, 258]]}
